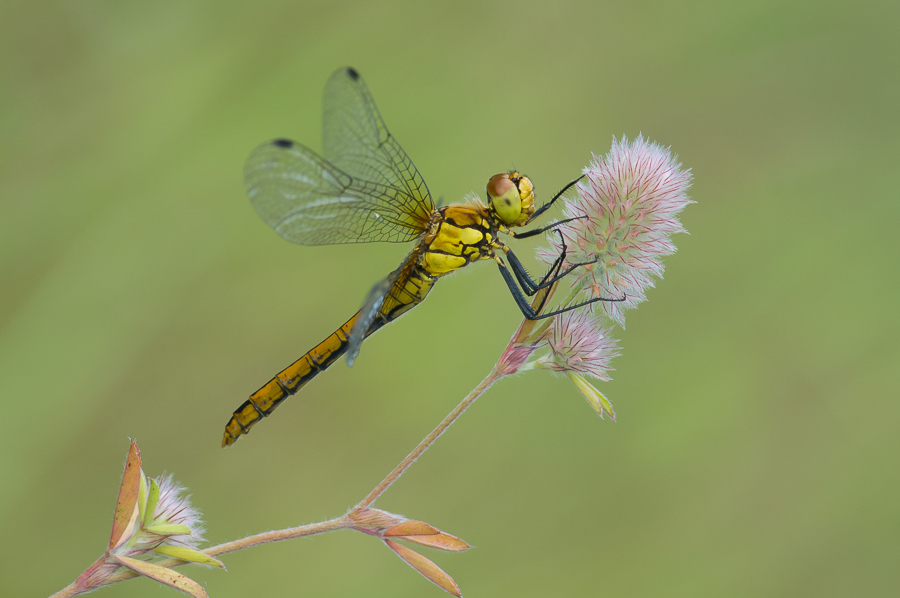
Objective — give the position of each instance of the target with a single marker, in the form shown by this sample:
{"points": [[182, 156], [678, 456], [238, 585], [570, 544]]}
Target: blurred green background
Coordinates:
{"points": [[756, 452]]}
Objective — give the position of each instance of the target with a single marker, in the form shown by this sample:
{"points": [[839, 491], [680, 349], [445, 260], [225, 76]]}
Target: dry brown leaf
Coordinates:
{"points": [[427, 568], [411, 528], [127, 502], [171, 578], [441, 540]]}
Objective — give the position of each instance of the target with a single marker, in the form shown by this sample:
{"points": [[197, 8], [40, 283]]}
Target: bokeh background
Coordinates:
{"points": [[756, 448]]}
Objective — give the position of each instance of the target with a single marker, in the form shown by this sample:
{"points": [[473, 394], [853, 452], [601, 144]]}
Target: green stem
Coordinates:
{"points": [[429, 440]]}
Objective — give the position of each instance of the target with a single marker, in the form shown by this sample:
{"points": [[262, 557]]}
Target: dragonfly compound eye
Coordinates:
{"points": [[504, 197]]}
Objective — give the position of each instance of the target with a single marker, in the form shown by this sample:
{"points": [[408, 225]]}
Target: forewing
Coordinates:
{"points": [[373, 306], [309, 201], [357, 141]]}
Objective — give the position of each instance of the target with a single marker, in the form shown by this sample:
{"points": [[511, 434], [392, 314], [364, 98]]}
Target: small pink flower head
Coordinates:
{"points": [[515, 357], [174, 509], [154, 520], [164, 517], [579, 343], [628, 208]]}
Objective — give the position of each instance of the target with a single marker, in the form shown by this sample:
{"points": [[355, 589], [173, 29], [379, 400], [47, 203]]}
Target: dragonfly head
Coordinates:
{"points": [[511, 197]]}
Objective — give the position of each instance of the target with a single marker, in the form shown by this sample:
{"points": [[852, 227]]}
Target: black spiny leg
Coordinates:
{"points": [[527, 310], [522, 275], [557, 265], [552, 276], [529, 286], [553, 271], [537, 231], [547, 205]]}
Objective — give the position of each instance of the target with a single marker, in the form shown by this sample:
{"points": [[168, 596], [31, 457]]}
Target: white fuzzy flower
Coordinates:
{"points": [[154, 522], [579, 343], [628, 206]]}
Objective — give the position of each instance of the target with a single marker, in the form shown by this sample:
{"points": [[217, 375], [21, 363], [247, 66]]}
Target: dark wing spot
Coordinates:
{"points": [[285, 143], [351, 72]]}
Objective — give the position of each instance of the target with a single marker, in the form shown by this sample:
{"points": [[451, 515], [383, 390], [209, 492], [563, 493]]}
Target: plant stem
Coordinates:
{"points": [[429, 440], [498, 372], [87, 582], [290, 533], [84, 583], [311, 529]]}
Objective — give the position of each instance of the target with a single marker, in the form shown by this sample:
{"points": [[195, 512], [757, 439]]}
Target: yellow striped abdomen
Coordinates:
{"points": [[287, 382], [409, 290]]}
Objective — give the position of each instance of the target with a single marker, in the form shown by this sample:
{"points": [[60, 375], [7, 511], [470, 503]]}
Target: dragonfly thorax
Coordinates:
{"points": [[460, 234], [511, 198]]}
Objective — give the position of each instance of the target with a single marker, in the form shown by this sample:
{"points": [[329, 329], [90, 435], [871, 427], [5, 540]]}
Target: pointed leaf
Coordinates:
{"points": [[411, 528], [142, 497], [424, 566], [167, 576], [593, 396], [168, 529], [189, 554], [152, 501], [128, 532], [441, 541], [126, 505]]}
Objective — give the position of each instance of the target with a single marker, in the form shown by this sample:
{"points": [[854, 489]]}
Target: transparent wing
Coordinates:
{"points": [[309, 201], [373, 305], [357, 141]]}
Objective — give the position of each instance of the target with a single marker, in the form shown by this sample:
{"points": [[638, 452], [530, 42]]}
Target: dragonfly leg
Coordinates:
{"points": [[561, 258], [531, 287], [556, 267], [526, 308], [537, 231], [547, 205], [524, 279], [552, 272], [522, 276]]}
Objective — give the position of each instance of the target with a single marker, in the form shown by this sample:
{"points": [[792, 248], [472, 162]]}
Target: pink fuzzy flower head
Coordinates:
{"points": [[579, 343], [174, 508], [628, 204], [154, 522]]}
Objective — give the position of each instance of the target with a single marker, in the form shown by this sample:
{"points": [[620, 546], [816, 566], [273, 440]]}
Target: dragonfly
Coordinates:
{"points": [[366, 189]]}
